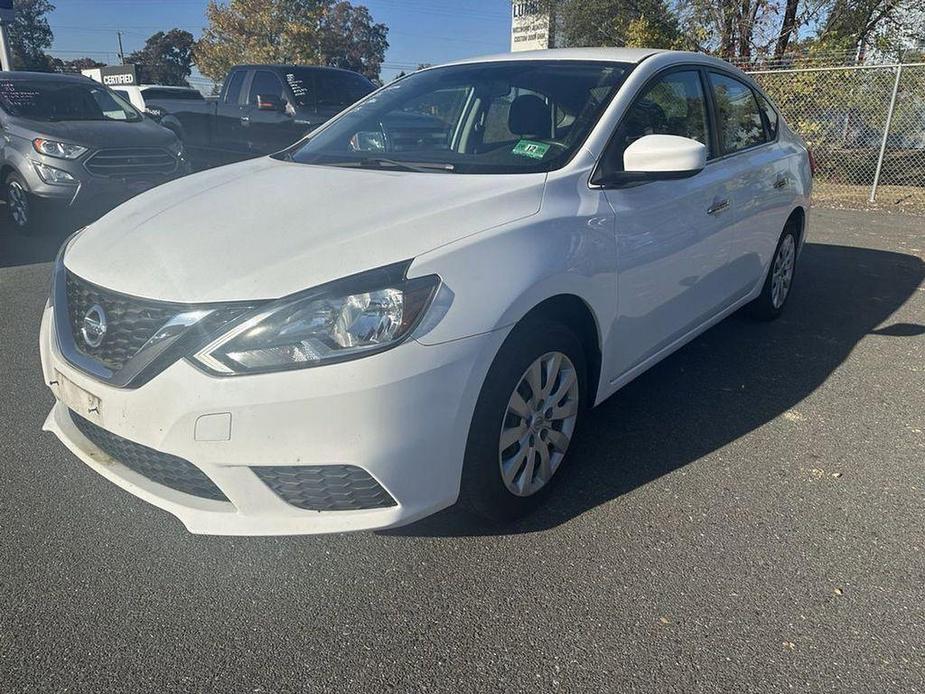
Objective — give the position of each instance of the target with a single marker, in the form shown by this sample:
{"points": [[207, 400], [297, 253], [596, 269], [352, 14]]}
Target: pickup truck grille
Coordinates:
{"points": [[131, 162]]}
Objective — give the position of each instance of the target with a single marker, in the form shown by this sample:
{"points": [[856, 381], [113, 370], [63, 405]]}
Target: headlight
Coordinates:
{"points": [[62, 150], [347, 319], [50, 174]]}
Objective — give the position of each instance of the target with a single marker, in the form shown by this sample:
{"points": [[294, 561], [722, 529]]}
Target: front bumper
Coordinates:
{"points": [[402, 416], [92, 193]]}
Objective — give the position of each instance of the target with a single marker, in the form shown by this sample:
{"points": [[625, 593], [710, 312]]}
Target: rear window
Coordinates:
{"points": [[740, 124]]}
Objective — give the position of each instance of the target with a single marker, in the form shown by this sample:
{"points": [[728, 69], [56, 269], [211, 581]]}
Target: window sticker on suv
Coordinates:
{"points": [[529, 148]]}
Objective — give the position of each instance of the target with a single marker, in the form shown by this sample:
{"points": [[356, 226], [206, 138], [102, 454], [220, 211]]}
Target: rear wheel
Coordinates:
{"points": [[770, 303], [524, 421]]}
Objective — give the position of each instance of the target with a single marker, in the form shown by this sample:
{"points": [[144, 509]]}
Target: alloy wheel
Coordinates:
{"points": [[18, 202], [782, 272], [538, 424]]}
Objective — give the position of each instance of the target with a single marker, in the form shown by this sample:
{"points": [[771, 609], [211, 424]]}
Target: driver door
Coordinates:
{"points": [[673, 239]]}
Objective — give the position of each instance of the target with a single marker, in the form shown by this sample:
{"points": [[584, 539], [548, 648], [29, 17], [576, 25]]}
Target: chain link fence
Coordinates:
{"points": [[866, 127]]}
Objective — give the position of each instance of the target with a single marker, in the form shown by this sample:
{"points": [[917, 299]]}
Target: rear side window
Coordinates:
{"points": [[672, 105], [339, 89], [265, 84], [233, 92], [770, 116], [738, 118]]}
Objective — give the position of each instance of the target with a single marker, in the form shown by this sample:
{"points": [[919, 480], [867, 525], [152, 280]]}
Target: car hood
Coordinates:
{"points": [[98, 134], [264, 228]]}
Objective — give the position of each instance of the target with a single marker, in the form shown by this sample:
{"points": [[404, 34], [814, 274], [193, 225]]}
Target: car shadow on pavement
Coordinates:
{"points": [[733, 379], [38, 246]]}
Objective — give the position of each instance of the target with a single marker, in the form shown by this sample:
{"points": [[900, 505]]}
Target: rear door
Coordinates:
{"points": [[754, 174], [269, 131], [673, 236]]}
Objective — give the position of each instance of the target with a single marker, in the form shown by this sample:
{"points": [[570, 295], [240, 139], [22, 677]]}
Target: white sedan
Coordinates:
{"points": [[417, 304]]}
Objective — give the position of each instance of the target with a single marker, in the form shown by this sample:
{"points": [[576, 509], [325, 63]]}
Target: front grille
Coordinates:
{"points": [[165, 469], [130, 322], [132, 162], [325, 487]]}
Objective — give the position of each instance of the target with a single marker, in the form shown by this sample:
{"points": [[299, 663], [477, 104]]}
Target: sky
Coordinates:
{"points": [[420, 31]]}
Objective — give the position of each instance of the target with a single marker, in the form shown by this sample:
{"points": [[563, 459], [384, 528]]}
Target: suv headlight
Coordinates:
{"points": [[347, 319], [61, 150]]}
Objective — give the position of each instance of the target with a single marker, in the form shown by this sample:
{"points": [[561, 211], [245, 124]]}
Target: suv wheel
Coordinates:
{"points": [[19, 203], [524, 420]]}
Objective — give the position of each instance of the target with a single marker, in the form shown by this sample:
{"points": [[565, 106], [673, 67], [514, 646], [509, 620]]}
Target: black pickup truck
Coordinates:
{"points": [[261, 109]]}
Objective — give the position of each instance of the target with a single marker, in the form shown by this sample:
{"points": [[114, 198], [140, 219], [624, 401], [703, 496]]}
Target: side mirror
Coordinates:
{"points": [[270, 102], [657, 157]]}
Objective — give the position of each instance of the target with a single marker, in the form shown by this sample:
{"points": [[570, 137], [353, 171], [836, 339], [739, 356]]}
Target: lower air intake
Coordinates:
{"points": [[325, 487]]}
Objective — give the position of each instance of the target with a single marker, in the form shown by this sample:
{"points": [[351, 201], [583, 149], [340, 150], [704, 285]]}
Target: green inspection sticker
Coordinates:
{"points": [[529, 148]]}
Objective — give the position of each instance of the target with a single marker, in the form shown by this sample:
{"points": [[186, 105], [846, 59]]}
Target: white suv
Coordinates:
{"points": [[416, 304]]}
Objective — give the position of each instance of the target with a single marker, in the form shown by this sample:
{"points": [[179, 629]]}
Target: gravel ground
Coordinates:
{"points": [[746, 517]]}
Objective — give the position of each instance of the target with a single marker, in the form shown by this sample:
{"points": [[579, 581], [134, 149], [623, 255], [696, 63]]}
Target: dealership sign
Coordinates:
{"points": [[113, 75], [530, 26]]}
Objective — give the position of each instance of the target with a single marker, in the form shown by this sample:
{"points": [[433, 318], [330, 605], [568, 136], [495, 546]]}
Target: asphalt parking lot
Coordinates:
{"points": [[749, 516]]}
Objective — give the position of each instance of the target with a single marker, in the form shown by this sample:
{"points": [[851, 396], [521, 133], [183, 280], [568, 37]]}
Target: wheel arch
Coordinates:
{"points": [[575, 313]]}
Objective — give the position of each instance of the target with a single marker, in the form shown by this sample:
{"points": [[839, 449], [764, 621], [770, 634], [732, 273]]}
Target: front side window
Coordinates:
{"points": [[265, 84], [500, 117], [48, 100], [233, 92], [737, 115], [672, 105]]}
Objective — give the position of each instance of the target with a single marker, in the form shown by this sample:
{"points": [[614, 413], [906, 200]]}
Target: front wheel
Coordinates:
{"points": [[19, 206], [770, 303], [524, 421]]}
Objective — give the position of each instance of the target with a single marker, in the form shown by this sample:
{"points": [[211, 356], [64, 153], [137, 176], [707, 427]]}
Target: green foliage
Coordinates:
{"points": [[310, 32], [30, 35], [649, 23], [165, 59]]}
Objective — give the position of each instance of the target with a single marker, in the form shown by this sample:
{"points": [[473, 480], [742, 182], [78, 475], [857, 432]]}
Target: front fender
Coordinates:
{"points": [[493, 279]]}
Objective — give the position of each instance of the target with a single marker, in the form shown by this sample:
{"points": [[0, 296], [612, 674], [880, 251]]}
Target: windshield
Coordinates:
{"points": [[48, 100], [504, 117]]}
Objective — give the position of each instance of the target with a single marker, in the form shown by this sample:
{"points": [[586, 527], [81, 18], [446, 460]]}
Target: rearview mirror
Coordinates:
{"points": [[656, 157], [270, 102]]}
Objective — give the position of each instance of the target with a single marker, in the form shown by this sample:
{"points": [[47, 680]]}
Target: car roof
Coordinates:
{"points": [[17, 75], [616, 55], [611, 55]]}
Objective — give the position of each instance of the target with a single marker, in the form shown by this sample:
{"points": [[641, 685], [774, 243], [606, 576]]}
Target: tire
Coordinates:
{"points": [[770, 303], [20, 204], [483, 489]]}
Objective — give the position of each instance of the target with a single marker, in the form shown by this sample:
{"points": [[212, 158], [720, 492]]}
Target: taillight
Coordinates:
{"points": [[812, 162]]}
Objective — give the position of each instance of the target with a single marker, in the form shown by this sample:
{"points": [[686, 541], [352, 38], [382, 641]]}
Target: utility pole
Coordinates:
{"points": [[121, 54], [5, 60], [7, 15]]}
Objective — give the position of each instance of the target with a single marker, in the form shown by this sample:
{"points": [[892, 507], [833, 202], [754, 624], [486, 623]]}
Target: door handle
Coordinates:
{"points": [[780, 181], [245, 120], [718, 206]]}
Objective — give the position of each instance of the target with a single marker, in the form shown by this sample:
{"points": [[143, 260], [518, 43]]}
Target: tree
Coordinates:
{"points": [[76, 65], [165, 59], [315, 32], [350, 39], [615, 22], [30, 35]]}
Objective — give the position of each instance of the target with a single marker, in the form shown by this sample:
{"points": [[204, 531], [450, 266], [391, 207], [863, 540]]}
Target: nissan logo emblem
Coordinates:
{"points": [[94, 326]]}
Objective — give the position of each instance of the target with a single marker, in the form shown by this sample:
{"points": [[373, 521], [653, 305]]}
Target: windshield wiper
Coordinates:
{"points": [[418, 166]]}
